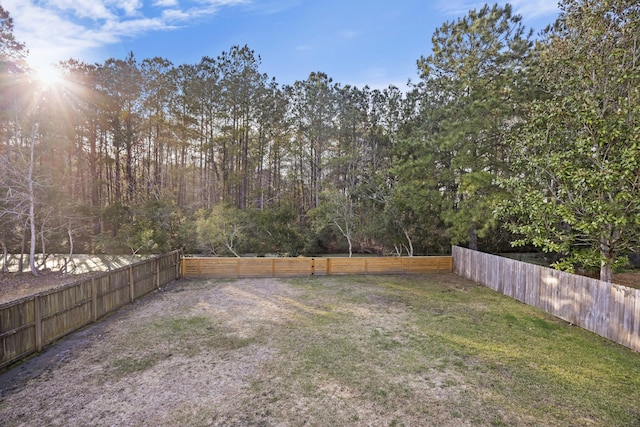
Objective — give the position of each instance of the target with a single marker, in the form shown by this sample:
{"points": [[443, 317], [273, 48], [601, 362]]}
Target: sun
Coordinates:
{"points": [[48, 75]]}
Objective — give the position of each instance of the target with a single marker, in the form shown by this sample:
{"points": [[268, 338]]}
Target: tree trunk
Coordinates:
{"points": [[473, 239], [70, 234], [410, 243], [22, 244], [606, 272], [32, 208], [5, 254], [606, 265], [118, 190]]}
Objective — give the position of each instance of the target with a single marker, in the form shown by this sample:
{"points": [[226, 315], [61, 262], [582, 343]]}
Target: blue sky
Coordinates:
{"points": [[357, 42]]}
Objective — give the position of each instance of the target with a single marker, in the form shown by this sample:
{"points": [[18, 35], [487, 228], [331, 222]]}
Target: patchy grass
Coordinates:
{"points": [[350, 350], [446, 348]]}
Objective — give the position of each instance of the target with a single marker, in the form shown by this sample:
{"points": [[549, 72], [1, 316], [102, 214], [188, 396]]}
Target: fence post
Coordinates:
{"points": [[157, 265], [38, 322], [177, 264], [94, 300], [132, 293]]}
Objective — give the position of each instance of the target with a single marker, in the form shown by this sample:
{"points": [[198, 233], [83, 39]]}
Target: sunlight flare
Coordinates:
{"points": [[48, 75]]}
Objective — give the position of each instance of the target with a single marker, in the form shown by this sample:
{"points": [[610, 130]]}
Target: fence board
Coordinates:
{"points": [[291, 267], [18, 343], [143, 279], [214, 267], [395, 265], [28, 324], [66, 319], [633, 319], [348, 265], [611, 311], [18, 329], [256, 267]]}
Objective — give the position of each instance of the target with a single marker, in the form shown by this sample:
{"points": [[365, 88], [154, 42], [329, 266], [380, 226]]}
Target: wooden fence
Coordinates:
{"points": [[28, 324], [213, 267], [609, 310]]}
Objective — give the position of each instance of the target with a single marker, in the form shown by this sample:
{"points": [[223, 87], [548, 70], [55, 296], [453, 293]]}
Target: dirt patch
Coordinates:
{"points": [[14, 286], [310, 351], [630, 278], [99, 377], [217, 353]]}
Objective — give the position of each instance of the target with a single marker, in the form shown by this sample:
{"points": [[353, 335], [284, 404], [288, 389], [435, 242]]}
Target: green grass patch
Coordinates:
{"points": [[172, 336], [497, 361], [365, 350]]}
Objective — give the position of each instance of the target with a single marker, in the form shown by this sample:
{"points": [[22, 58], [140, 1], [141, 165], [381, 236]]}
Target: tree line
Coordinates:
{"points": [[504, 139]]}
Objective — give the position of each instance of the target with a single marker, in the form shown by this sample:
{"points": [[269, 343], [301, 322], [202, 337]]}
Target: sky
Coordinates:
{"points": [[356, 42]]}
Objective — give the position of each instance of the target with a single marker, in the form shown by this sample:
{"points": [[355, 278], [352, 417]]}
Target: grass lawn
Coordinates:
{"points": [[351, 350]]}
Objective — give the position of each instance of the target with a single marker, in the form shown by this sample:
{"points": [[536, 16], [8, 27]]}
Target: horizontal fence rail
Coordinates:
{"points": [[609, 310], [29, 324], [214, 267]]}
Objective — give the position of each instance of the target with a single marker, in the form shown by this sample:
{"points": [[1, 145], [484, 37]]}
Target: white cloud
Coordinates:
{"points": [[165, 3], [130, 7], [175, 15], [55, 30], [94, 9], [529, 9], [133, 27], [220, 3]]}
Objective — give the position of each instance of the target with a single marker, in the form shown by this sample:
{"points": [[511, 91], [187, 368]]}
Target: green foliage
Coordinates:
{"points": [[222, 230], [157, 226], [412, 214], [317, 165], [578, 154], [336, 211], [276, 230], [451, 157], [165, 220], [114, 216], [12, 52], [478, 194]]}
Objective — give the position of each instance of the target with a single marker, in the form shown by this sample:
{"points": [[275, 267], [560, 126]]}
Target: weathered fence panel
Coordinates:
{"points": [[18, 329], [142, 278], [28, 324], [62, 310], [214, 267], [609, 310]]}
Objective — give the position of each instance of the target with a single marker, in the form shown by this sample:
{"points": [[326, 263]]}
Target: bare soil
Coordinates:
{"points": [[362, 351], [630, 278], [209, 354], [14, 286]]}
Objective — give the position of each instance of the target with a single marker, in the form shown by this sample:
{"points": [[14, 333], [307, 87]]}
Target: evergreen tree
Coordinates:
{"points": [[578, 156]]}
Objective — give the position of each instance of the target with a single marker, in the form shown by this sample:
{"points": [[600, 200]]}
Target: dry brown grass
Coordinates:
{"points": [[429, 350]]}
